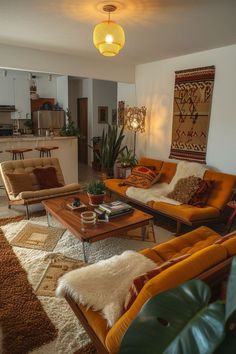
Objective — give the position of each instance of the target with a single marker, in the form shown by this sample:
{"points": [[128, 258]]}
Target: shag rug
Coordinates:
{"points": [[71, 335]]}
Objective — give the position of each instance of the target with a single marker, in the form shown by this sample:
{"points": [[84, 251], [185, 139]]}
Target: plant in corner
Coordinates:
{"points": [[110, 148], [96, 192], [69, 128]]}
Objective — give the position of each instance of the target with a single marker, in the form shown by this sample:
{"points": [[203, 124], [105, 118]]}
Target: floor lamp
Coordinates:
{"points": [[135, 120]]}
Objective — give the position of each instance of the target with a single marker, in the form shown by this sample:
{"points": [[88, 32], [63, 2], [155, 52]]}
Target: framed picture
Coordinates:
{"points": [[103, 114], [114, 117]]}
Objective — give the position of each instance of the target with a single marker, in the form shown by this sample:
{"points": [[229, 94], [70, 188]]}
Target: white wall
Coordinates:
{"points": [[63, 64], [62, 92], [46, 88], [155, 90]]}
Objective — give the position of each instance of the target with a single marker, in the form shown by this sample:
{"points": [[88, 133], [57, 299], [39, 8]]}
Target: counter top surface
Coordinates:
{"points": [[4, 139]]}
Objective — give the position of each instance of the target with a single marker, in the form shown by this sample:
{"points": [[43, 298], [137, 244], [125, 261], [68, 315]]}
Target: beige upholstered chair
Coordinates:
{"points": [[36, 195]]}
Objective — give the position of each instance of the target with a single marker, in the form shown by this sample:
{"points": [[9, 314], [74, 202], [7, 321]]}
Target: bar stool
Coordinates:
{"points": [[46, 150], [18, 154]]}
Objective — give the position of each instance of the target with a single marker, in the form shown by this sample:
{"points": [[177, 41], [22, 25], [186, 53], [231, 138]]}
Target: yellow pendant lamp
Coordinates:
{"points": [[109, 36]]}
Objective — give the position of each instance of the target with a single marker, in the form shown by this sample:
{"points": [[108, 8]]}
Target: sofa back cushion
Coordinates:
{"points": [[27, 166], [167, 172], [47, 177], [145, 161], [222, 189], [19, 182]]}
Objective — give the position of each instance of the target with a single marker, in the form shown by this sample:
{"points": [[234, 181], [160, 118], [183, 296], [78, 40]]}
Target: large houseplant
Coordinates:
{"points": [[110, 148], [182, 321]]}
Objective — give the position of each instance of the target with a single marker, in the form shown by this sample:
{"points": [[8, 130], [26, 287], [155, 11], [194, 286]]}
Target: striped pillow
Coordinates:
{"points": [[141, 280]]}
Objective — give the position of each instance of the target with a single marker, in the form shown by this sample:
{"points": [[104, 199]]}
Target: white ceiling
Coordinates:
{"points": [[155, 29]]}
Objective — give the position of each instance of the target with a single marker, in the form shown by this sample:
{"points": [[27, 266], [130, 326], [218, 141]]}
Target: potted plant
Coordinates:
{"points": [[69, 128], [127, 158], [110, 148], [96, 192]]}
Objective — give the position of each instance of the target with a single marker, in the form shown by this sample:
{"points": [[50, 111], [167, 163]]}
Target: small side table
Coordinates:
{"points": [[232, 205]]}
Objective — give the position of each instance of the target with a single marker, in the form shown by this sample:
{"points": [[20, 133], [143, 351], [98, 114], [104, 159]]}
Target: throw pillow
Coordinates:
{"points": [[142, 177], [185, 189], [47, 177], [141, 280], [19, 182], [201, 195]]}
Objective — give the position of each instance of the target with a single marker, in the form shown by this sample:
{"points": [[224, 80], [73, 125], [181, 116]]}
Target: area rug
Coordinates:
{"points": [[71, 335], [25, 324], [38, 237], [137, 234], [191, 113], [57, 267]]}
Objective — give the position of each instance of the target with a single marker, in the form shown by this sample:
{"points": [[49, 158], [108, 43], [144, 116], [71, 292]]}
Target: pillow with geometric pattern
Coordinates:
{"points": [[184, 189], [200, 197], [142, 177]]}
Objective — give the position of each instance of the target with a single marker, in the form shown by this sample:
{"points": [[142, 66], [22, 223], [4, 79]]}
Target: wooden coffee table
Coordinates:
{"points": [[116, 227]]}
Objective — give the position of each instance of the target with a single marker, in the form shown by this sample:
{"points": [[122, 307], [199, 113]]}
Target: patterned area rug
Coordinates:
{"points": [[24, 323], [38, 265], [38, 237]]}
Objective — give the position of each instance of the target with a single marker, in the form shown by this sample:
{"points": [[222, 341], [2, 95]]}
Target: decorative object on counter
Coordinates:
{"points": [[29, 126], [46, 106], [191, 113], [135, 120], [109, 36], [110, 149], [69, 128], [103, 114], [18, 153], [46, 150], [121, 113], [96, 192]]}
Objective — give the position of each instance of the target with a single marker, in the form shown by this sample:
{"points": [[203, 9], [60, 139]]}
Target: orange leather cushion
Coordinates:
{"points": [[222, 189], [145, 161], [113, 184], [186, 212], [190, 242], [152, 254], [230, 246], [167, 172]]}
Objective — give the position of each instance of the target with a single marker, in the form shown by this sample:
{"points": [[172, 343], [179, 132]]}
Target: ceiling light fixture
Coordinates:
{"points": [[109, 36]]}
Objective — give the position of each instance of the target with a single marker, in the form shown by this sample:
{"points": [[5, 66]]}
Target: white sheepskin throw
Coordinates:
{"points": [[158, 191], [105, 284]]}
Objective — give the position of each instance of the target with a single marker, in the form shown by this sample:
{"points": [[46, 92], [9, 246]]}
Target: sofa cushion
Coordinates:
{"points": [[141, 280], [184, 189], [153, 255], [142, 177], [186, 213], [145, 161], [201, 195], [47, 177], [19, 182], [48, 193], [167, 171], [223, 188]]}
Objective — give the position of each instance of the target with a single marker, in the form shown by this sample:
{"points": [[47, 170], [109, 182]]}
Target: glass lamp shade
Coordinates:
{"points": [[108, 38]]}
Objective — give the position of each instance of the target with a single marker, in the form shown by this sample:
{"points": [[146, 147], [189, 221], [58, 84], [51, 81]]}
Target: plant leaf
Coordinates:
{"points": [[177, 321]]}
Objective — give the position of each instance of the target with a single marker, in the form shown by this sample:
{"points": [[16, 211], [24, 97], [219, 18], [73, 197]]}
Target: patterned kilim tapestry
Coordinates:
{"points": [[192, 104]]}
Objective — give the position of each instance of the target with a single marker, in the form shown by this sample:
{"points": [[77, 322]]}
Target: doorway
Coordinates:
{"points": [[82, 121]]}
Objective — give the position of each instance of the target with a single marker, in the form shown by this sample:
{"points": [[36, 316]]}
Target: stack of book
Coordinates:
{"points": [[114, 209]]}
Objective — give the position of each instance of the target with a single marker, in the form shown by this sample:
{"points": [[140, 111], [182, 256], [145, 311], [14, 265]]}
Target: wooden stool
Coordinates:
{"points": [[46, 150], [18, 154]]}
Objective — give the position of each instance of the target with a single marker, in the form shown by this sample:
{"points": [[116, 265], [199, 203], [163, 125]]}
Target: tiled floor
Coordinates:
{"points": [[86, 174]]}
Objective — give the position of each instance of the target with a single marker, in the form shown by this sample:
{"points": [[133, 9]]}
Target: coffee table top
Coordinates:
{"points": [[58, 208]]}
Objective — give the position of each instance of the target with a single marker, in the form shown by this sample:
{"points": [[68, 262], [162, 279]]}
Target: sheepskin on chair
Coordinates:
{"points": [[105, 284]]}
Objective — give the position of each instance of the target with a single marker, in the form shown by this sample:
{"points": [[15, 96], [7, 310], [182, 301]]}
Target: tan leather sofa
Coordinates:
{"points": [[36, 195], [222, 192]]}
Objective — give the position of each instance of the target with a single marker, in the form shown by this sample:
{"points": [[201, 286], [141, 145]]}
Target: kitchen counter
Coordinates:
{"points": [[13, 139]]}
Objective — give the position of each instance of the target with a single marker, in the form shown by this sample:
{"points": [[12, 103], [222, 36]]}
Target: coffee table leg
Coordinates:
{"points": [[144, 232], [84, 251], [48, 218]]}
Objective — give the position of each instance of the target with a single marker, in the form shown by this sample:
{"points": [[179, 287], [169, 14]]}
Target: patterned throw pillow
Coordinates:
{"points": [[47, 177], [19, 182], [141, 280], [142, 177], [200, 197], [185, 189]]}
